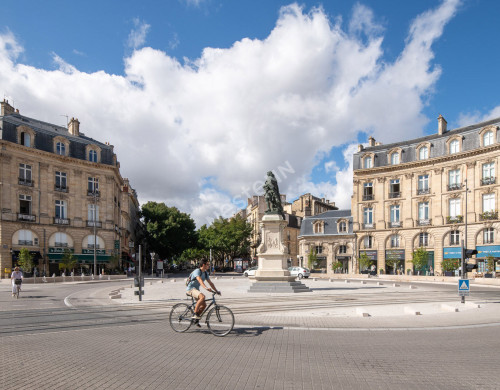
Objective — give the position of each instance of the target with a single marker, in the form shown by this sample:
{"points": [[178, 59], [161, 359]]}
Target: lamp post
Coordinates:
{"points": [[95, 194]]}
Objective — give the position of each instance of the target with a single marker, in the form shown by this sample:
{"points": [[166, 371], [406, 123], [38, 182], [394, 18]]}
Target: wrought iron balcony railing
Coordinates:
{"points": [[367, 226], [368, 197], [61, 221], [455, 219], [397, 224], [488, 215], [423, 191], [26, 182], [454, 187], [394, 194], [26, 217], [60, 188], [424, 222], [92, 223], [485, 181]]}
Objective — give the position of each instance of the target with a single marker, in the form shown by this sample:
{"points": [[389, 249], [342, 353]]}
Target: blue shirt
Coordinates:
{"points": [[194, 282]]}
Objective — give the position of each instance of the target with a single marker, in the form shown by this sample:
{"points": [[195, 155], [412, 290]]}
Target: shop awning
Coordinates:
{"points": [[81, 258]]}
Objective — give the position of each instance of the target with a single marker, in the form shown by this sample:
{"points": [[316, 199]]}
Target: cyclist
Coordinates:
{"points": [[198, 277], [16, 275]]}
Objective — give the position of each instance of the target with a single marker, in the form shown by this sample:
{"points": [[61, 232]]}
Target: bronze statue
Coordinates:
{"points": [[272, 196]]}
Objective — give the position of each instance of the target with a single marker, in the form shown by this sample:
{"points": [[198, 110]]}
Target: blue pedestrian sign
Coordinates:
{"points": [[463, 287]]}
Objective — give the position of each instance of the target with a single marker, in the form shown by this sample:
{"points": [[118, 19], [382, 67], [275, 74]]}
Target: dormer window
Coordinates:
{"points": [[92, 156], [395, 158], [25, 136], [454, 146], [488, 138], [25, 139], [319, 227], [342, 227], [423, 153], [368, 162], [61, 149]]}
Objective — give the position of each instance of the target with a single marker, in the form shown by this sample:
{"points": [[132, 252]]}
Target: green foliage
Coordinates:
{"points": [[336, 265], [364, 261], [114, 263], [68, 261], [168, 231], [312, 258], [25, 260], [228, 238], [420, 258], [191, 255], [450, 264], [490, 264], [393, 263]]}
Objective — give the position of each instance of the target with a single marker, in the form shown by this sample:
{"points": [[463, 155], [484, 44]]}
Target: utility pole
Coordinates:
{"points": [[95, 194]]}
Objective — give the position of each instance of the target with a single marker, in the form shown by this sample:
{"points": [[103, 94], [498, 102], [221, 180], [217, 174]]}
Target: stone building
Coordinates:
{"points": [[308, 205], [331, 237], [58, 187], [413, 194]]}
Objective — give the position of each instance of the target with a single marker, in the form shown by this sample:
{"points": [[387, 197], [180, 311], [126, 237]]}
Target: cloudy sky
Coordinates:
{"points": [[202, 97]]}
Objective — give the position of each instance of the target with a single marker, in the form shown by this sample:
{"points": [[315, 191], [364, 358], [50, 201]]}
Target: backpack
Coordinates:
{"points": [[189, 280]]}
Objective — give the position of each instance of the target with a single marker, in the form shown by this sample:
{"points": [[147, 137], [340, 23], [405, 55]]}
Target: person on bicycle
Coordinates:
{"points": [[17, 274], [198, 277]]}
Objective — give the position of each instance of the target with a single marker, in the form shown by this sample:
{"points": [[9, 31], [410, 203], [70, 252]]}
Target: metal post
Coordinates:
{"points": [[140, 272], [94, 196]]}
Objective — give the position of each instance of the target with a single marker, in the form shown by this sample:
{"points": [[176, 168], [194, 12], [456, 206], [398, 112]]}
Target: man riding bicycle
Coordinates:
{"points": [[17, 278], [198, 277]]}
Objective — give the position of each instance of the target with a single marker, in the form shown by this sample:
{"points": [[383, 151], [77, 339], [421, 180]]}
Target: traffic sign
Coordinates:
{"points": [[463, 287]]}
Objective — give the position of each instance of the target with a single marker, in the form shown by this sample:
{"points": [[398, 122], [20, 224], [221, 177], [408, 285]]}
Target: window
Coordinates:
{"points": [[423, 239], [61, 180], [454, 237], [319, 249], [454, 208], [61, 240], [395, 241], [368, 191], [91, 240], [395, 158], [342, 249], [423, 184], [342, 227], [92, 156], [318, 228], [488, 202], [454, 182], [488, 236], [394, 189], [61, 209], [368, 241], [93, 185], [24, 174], [423, 211], [61, 149], [368, 216], [488, 170], [25, 237], [368, 162], [488, 138], [25, 204], [395, 213], [423, 153], [93, 212], [25, 139], [454, 146]]}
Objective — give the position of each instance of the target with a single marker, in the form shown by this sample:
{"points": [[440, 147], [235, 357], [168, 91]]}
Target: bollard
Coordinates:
{"points": [[109, 277]]}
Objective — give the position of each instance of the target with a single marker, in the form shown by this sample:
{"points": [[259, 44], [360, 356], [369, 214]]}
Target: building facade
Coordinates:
{"points": [[431, 192], [61, 190], [308, 205], [330, 236]]}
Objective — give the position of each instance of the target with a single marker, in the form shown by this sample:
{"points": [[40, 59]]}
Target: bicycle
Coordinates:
{"points": [[220, 319], [17, 284]]}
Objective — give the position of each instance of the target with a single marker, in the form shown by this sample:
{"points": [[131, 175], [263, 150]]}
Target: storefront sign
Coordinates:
{"points": [[372, 255], [60, 250], [91, 251], [452, 253], [488, 250], [395, 254]]}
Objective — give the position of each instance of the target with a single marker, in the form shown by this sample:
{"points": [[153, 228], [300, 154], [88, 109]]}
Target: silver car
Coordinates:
{"points": [[299, 272]]}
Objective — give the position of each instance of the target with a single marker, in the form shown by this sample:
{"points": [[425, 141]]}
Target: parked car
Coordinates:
{"points": [[299, 272], [250, 271]]}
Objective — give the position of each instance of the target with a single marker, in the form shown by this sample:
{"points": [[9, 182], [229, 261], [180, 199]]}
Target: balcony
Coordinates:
{"points": [[26, 217], [60, 188], [61, 244], [488, 215], [423, 191], [394, 194], [26, 182], [93, 193], [454, 187], [486, 181], [395, 224], [368, 197], [368, 226], [424, 222], [94, 223], [61, 221], [25, 242], [455, 219]]}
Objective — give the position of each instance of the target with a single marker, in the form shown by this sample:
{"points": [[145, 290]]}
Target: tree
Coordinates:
{"points": [[68, 261], [364, 261], [392, 262], [312, 259], [113, 264], [336, 265], [490, 264], [191, 255], [420, 258], [25, 260], [168, 231], [450, 264]]}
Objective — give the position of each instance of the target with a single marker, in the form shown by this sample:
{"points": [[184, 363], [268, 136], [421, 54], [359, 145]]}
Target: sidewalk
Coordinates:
{"points": [[374, 303]]}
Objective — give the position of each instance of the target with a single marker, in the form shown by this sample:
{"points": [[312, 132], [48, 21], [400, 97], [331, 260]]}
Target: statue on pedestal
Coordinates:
{"points": [[272, 196]]}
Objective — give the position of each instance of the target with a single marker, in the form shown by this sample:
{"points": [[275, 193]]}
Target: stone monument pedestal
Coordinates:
{"points": [[273, 274]]}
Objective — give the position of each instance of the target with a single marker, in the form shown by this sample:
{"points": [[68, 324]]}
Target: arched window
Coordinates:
{"points": [[454, 146], [342, 227], [454, 237], [395, 158], [395, 241], [488, 138], [25, 139], [368, 162], [423, 153]]}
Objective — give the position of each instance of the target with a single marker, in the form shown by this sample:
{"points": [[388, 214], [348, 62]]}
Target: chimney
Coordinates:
{"points": [[74, 127], [360, 148], [371, 141], [441, 125], [7, 109]]}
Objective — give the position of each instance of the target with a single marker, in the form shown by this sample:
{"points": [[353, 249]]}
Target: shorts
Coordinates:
{"points": [[195, 293]]}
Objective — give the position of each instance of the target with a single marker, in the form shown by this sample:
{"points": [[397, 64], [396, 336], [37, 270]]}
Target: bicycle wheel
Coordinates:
{"points": [[17, 291], [180, 317], [220, 320]]}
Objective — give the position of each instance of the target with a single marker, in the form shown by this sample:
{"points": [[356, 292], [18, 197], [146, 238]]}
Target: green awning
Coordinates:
{"points": [[81, 258]]}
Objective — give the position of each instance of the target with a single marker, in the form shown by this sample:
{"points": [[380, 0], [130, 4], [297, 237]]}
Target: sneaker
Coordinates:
{"points": [[196, 317]]}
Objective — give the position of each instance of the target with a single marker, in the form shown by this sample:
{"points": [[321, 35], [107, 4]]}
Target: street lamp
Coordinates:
{"points": [[95, 195]]}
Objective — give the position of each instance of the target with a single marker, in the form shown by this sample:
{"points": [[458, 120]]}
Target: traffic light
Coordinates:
{"points": [[469, 267], [468, 253]]}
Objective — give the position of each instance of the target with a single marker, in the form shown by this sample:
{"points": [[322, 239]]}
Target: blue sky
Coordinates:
{"points": [[202, 97]]}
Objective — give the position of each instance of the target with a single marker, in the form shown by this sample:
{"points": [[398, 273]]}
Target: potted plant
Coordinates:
{"points": [[336, 265], [490, 266], [420, 259], [364, 263], [25, 260], [449, 266]]}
